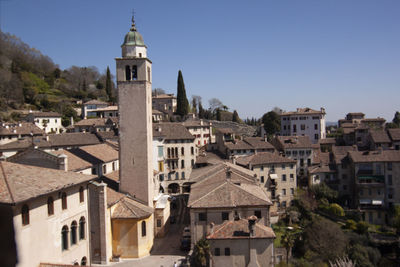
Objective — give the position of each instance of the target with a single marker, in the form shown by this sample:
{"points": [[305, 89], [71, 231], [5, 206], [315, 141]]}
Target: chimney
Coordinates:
{"points": [[211, 228], [47, 138], [63, 162], [72, 121], [253, 262], [252, 221], [228, 173]]}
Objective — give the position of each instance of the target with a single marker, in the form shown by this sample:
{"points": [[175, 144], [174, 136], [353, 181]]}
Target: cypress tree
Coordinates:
{"points": [[182, 102], [235, 117], [109, 85], [219, 115]]}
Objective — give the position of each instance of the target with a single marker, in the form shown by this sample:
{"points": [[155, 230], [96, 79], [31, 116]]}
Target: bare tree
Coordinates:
{"points": [[215, 103]]}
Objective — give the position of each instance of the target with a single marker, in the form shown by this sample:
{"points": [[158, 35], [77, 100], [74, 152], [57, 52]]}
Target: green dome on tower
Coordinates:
{"points": [[133, 37]]}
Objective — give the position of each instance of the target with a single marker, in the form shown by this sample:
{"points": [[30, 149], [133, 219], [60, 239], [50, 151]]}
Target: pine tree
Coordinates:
{"points": [[235, 117], [182, 102], [109, 85]]}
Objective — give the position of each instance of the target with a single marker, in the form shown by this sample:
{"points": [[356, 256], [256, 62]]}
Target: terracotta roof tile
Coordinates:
{"points": [[394, 134], [125, 207], [240, 229], [375, 156], [45, 114], [22, 128], [303, 111], [264, 158], [91, 122], [379, 136], [227, 187], [171, 131], [22, 182]]}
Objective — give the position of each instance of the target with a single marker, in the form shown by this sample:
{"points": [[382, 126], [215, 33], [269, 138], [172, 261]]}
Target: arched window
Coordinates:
{"points": [[74, 225], [82, 223], [64, 238], [143, 228], [192, 150], [134, 73], [64, 201], [81, 194], [50, 206], [183, 151], [83, 261], [169, 152], [127, 73], [25, 214]]}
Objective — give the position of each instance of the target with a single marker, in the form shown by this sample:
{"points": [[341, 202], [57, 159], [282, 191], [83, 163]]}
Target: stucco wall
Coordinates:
{"points": [[40, 240]]}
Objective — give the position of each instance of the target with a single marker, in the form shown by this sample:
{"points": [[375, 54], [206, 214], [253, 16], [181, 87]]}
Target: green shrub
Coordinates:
{"points": [[336, 209], [362, 227], [351, 224]]}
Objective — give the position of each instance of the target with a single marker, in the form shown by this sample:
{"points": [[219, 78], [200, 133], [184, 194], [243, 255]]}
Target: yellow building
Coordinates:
{"points": [[132, 226]]}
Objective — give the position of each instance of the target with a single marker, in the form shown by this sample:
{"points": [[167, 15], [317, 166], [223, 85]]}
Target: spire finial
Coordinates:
{"points": [[133, 27]]}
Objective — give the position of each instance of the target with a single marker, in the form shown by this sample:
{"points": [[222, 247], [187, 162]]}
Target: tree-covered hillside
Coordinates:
{"points": [[31, 80]]}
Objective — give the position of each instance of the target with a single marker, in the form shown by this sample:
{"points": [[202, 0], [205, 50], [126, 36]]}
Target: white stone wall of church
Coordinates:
{"points": [[40, 240]]}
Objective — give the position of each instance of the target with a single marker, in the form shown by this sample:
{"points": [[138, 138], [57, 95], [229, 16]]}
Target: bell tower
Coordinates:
{"points": [[135, 118]]}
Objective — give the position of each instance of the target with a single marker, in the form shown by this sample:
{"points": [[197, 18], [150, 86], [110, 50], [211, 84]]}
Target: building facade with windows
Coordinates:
{"points": [[276, 174], [304, 122], [50, 122], [201, 130], [180, 154], [298, 148], [227, 193], [50, 213], [376, 183]]}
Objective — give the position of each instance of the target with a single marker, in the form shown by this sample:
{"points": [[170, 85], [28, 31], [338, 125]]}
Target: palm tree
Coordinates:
{"points": [[287, 240], [201, 252]]}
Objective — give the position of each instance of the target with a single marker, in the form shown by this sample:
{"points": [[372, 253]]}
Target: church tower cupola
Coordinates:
{"points": [[133, 45]]}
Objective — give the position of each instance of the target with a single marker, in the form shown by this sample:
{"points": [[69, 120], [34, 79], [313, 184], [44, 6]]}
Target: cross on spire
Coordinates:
{"points": [[133, 27]]}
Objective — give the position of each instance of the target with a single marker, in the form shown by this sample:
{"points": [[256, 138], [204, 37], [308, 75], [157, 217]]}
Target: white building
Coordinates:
{"points": [[50, 213], [201, 130], [89, 108], [50, 122], [304, 122]]}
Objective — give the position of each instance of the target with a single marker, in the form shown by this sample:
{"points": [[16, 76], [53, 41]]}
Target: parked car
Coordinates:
{"points": [[185, 243]]}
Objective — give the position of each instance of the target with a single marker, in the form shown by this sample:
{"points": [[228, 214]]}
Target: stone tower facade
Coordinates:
{"points": [[135, 118]]}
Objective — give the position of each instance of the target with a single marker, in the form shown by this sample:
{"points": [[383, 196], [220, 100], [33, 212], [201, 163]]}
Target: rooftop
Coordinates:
{"points": [[239, 229], [171, 131], [20, 183]]}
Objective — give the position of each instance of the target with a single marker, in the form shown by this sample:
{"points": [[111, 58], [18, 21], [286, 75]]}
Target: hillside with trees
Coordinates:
{"points": [[30, 80]]}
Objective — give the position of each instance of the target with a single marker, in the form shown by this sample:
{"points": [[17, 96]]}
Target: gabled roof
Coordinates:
{"points": [[171, 131], [73, 139], [21, 128], [91, 122], [288, 142], [125, 207], [263, 158], [164, 96], [379, 136], [19, 182], [96, 154], [95, 102], [44, 115], [340, 152], [258, 143], [75, 163], [303, 111], [227, 187], [239, 229], [375, 156], [394, 134]]}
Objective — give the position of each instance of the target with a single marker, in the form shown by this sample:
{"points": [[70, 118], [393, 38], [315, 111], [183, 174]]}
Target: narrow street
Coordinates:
{"points": [[166, 251]]}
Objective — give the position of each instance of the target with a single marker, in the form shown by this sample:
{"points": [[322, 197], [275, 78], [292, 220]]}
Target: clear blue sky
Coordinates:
{"points": [[343, 55]]}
